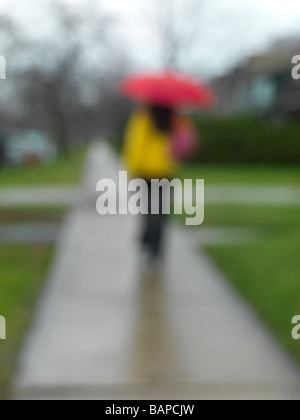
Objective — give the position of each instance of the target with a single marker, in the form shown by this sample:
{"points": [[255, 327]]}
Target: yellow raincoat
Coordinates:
{"points": [[147, 152]]}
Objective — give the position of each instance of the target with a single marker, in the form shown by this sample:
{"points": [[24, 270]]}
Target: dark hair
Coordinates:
{"points": [[162, 117]]}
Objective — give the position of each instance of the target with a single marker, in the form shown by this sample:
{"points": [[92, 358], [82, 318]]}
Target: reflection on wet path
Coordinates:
{"points": [[153, 347]]}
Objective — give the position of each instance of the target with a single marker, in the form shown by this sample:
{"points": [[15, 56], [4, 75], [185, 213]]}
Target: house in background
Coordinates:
{"points": [[263, 83], [28, 147]]}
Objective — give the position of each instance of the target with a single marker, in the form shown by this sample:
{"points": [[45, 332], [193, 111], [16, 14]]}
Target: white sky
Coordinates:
{"points": [[233, 28]]}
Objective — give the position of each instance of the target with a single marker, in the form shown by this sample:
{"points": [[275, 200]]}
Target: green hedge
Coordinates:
{"points": [[248, 139]]}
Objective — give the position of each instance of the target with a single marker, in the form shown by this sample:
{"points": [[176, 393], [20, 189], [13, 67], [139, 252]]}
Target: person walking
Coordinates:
{"points": [[156, 137], [147, 155]]}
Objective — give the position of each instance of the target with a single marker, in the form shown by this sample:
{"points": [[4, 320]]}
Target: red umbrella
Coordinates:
{"points": [[168, 88]]}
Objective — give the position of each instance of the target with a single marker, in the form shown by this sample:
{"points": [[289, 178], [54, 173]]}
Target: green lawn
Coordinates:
{"points": [[272, 217], [224, 174], [23, 270], [65, 171]]}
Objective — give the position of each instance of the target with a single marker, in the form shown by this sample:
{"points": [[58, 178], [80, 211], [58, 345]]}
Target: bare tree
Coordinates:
{"points": [[61, 78], [178, 26]]}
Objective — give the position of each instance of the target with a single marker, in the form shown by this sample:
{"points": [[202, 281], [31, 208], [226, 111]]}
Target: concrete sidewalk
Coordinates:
{"points": [[29, 233], [60, 196], [263, 195], [216, 194], [285, 195], [105, 329]]}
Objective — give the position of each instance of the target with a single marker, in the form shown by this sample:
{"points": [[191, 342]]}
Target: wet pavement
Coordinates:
{"points": [[29, 233], [108, 328], [285, 195], [61, 196], [262, 195]]}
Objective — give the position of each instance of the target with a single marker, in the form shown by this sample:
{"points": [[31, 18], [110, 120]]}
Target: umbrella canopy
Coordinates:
{"points": [[168, 88]]}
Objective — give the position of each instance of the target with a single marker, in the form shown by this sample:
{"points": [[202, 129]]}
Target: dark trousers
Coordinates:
{"points": [[154, 226]]}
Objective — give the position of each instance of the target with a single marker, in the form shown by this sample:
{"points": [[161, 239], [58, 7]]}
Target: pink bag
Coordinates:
{"points": [[184, 140]]}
